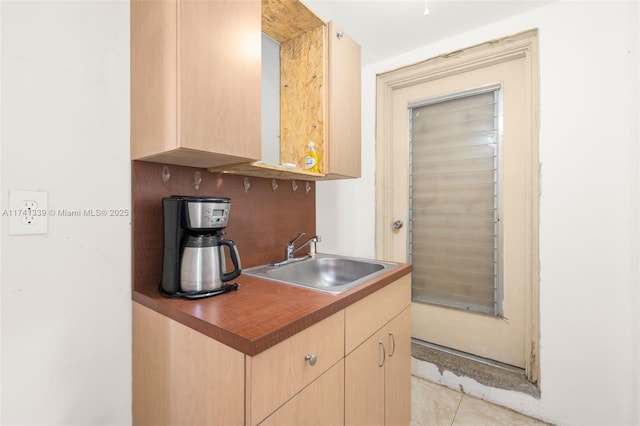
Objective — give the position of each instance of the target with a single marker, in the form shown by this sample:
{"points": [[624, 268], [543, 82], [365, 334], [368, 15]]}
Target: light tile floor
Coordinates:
{"points": [[436, 405]]}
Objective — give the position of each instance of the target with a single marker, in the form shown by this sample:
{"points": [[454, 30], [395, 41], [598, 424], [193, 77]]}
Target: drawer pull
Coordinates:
{"points": [[393, 344], [384, 356], [311, 358]]}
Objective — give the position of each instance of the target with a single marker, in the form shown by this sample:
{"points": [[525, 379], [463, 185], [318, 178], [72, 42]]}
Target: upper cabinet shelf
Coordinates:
{"points": [[196, 87]]}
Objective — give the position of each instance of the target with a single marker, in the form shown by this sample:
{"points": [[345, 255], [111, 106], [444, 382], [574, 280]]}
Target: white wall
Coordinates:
{"points": [[66, 309], [589, 208]]}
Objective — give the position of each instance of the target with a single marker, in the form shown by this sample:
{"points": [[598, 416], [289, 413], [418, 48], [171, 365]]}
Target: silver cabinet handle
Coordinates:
{"points": [[398, 224], [312, 358], [393, 344], [384, 356], [339, 34]]}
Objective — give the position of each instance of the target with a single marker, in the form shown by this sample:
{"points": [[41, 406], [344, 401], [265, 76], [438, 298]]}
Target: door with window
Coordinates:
{"points": [[457, 165]]}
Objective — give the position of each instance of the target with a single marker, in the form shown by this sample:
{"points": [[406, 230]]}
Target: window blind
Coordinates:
{"points": [[454, 217]]}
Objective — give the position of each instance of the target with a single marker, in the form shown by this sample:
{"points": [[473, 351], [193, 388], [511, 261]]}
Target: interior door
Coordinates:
{"points": [[504, 337]]}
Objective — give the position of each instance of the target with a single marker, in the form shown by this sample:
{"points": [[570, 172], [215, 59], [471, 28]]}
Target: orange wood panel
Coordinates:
{"points": [[261, 220]]}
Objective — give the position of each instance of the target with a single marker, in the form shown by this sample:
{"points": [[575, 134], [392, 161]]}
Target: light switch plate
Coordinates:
{"points": [[28, 212]]}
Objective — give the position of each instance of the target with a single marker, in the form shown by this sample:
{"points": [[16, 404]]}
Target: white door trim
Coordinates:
{"points": [[522, 45]]}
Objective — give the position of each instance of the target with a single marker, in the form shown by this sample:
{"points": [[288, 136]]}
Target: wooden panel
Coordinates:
{"points": [[153, 77], [219, 77], [365, 317], [282, 371], [320, 403], [194, 158], [261, 222], [302, 93], [398, 370], [182, 377], [364, 383], [343, 81], [283, 20], [150, 361], [268, 171]]}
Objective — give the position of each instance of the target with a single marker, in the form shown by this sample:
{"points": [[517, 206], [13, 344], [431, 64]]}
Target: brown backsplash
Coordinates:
{"points": [[261, 220]]}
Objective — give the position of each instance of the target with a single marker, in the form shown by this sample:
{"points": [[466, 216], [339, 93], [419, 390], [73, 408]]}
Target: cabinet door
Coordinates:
{"points": [[364, 382], [219, 77], [275, 375], [154, 80], [320, 403], [195, 81], [182, 377], [368, 315], [398, 370], [344, 100]]}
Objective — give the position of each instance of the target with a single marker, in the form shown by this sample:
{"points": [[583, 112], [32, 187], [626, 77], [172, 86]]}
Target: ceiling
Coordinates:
{"points": [[386, 28]]}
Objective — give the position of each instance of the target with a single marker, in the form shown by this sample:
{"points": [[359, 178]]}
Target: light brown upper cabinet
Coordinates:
{"points": [[342, 141], [196, 87], [319, 95], [195, 82]]}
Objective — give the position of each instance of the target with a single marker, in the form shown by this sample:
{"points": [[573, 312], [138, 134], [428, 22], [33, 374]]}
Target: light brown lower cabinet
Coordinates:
{"points": [[281, 372], [320, 403], [350, 368], [182, 377], [378, 377], [398, 371], [378, 368]]}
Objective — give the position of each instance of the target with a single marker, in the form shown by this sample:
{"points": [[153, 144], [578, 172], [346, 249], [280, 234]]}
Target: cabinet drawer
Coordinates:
{"points": [[280, 372], [365, 317]]}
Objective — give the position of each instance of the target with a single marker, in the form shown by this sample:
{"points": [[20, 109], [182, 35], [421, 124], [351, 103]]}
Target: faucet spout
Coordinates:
{"points": [[291, 250], [311, 242]]}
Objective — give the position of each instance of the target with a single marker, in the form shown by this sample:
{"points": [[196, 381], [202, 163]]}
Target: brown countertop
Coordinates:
{"points": [[261, 313]]}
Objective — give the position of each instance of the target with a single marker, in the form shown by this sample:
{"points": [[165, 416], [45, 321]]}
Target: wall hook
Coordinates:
{"points": [[246, 184], [307, 188], [166, 174], [274, 184], [197, 180], [294, 185]]}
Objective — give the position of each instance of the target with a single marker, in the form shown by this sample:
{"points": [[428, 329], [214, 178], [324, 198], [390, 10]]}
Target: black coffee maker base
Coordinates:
{"points": [[200, 294]]}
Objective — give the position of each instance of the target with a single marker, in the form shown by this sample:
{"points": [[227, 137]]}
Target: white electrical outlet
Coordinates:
{"points": [[27, 212]]}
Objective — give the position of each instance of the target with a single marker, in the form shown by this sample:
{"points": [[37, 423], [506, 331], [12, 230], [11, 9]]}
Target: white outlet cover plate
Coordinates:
{"points": [[28, 212]]}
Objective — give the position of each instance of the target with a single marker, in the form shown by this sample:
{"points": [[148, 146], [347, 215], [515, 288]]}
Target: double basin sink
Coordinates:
{"points": [[323, 272]]}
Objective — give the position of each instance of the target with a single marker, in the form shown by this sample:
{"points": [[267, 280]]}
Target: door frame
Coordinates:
{"points": [[522, 45]]}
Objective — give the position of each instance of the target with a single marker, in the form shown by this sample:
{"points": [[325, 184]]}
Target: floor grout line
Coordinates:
{"points": [[455, 414]]}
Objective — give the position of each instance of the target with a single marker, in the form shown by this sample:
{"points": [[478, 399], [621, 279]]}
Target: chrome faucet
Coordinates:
{"points": [[311, 242], [291, 250]]}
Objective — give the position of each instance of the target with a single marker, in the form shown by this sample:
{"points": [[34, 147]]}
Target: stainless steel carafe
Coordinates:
{"points": [[203, 267]]}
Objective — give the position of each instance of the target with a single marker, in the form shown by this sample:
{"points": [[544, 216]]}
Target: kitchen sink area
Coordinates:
{"points": [[324, 272]]}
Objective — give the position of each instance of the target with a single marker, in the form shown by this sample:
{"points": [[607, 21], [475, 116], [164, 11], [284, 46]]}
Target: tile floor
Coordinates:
{"points": [[436, 405]]}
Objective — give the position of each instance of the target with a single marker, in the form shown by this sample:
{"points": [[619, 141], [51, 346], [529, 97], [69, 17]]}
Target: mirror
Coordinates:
{"points": [[270, 100]]}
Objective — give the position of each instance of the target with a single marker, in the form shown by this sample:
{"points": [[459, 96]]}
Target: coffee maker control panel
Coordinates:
{"points": [[208, 215]]}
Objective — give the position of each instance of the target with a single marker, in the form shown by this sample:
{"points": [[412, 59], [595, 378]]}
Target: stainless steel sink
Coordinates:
{"points": [[328, 273]]}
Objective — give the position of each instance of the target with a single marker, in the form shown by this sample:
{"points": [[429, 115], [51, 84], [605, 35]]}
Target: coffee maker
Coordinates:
{"points": [[194, 264]]}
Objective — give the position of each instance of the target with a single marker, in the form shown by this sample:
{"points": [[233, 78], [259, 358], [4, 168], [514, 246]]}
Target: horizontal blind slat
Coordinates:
{"points": [[427, 158], [454, 140], [457, 166], [484, 254], [471, 125]]}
